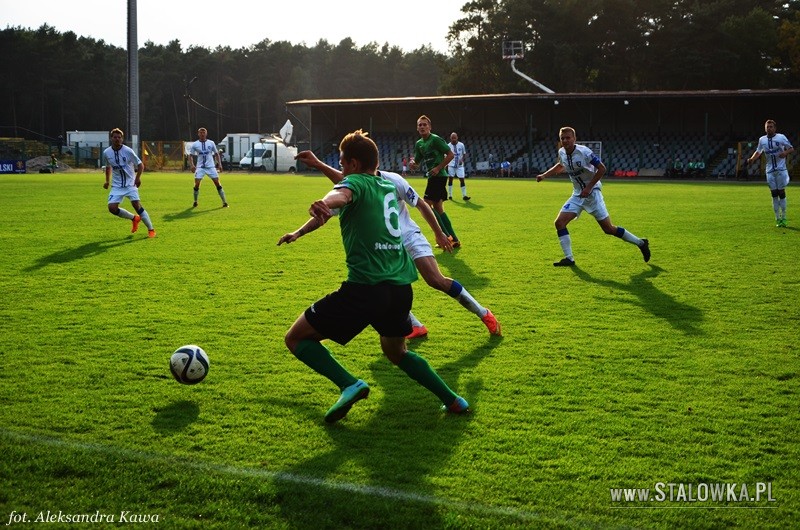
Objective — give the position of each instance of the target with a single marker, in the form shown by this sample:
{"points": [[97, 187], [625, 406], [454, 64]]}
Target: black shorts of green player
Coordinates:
{"points": [[343, 314], [436, 189]]}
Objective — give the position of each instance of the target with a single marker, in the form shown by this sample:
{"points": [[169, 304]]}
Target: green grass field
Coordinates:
{"points": [[615, 374]]}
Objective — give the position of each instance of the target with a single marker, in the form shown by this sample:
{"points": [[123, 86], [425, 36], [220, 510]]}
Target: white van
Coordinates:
{"points": [[270, 154], [233, 147]]}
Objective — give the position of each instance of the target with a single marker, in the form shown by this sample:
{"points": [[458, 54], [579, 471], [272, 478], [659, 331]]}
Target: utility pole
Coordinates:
{"points": [[188, 110], [188, 98], [133, 79]]}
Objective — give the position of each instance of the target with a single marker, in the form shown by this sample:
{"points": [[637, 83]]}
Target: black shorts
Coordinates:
{"points": [[436, 189], [345, 313]]}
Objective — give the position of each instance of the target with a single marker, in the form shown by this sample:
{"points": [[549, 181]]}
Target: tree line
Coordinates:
{"points": [[61, 81]]}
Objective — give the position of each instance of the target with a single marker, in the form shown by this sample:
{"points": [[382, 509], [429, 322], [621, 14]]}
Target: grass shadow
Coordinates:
{"points": [[401, 449], [175, 417], [84, 251], [469, 205], [460, 271], [682, 317], [188, 213]]}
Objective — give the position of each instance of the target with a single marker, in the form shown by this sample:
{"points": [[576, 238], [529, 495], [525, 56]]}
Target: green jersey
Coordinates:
{"points": [[430, 152], [373, 242]]}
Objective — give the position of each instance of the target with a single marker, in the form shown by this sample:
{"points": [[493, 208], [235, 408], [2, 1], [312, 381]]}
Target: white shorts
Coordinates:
{"points": [[117, 194], [417, 245], [594, 205], [456, 172], [200, 172], [778, 180]]}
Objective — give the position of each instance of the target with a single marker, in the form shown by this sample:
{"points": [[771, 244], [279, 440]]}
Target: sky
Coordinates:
{"points": [[407, 24]]}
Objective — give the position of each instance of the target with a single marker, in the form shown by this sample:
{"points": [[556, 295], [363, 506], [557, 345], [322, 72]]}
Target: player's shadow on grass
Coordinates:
{"points": [[469, 205], [457, 269], [681, 316], [175, 417], [394, 457], [84, 251], [188, 213]]}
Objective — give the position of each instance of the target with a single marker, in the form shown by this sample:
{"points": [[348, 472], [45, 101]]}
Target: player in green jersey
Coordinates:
{"points": [[377, 291], [433, 154]]}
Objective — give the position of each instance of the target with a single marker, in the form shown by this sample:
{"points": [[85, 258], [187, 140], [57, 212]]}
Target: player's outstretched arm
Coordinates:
{"points": [[309, 226], [311, 160], [556, 169]]}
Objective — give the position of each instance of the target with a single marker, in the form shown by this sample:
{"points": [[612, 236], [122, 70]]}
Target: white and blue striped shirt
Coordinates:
{"points": [[123, 165]]}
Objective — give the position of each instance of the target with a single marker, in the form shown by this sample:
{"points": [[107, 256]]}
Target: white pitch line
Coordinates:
{"points": [[249, 472]]}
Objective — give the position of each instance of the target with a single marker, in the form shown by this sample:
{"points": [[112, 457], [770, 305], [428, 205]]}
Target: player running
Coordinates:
{"points": [[777, 147], [585, 171], [377, 291], [126, 167], [417, 245], [208, 163], [433, 154]]}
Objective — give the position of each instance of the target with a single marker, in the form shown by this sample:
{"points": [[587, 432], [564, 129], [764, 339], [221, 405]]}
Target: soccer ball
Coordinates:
{"points": [[189, 364]]}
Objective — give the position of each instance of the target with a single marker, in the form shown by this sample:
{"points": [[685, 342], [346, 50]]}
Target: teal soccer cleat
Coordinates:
{"points": [[355, 392]]}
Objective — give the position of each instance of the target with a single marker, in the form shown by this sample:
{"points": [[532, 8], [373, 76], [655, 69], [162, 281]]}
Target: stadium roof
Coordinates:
{"points": [[661, 94]]}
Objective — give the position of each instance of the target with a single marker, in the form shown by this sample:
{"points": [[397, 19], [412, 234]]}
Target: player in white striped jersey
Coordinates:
{"points": [[456, 167], [417, 245], [776, 147], [585, 171], [208, 163], [124, 173]]}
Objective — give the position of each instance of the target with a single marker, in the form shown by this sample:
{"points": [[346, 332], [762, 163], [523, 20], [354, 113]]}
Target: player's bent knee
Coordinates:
{"points": [[395, 356], [394, 348], [291, 341]]}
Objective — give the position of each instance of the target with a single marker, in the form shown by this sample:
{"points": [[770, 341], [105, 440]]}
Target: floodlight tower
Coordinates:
{"points": [[513, 50], [133, 78]]}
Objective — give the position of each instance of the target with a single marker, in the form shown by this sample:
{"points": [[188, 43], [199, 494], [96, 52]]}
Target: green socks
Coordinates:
{"points": [[319, 358], [447, 227], [420, 371], [439, 220]]}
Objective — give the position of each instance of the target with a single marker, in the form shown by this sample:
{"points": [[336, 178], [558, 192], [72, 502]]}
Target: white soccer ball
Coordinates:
{"points": [[189, 364]]}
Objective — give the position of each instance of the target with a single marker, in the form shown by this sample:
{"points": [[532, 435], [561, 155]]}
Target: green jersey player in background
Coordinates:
{"points": [[377, 291], [433, 154]]}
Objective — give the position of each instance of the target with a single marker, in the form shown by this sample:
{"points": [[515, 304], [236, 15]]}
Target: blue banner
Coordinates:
{"points": [[12, 166]]}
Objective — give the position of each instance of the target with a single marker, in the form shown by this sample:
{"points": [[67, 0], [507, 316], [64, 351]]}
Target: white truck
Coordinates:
{"points": [[88, 138], [270, 154], [234, 146], [87, 146]]}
